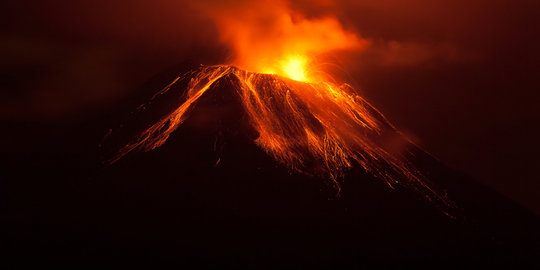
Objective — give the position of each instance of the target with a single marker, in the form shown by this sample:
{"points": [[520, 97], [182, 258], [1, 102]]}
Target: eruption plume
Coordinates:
{"points": [[271, 38], [304, 119]]}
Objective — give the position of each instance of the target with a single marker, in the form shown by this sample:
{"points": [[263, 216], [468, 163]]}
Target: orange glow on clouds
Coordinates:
{"points": [[270, 37]]}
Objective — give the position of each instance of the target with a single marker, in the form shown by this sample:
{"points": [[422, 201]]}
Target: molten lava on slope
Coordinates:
{"points": [[303, 118], [320, 129]]}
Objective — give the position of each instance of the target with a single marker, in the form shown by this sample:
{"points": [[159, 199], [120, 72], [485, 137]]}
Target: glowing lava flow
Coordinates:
{"points": [[316, 128]]}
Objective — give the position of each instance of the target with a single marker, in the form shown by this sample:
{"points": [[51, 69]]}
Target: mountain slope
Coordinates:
{"points": [[210, 196]]}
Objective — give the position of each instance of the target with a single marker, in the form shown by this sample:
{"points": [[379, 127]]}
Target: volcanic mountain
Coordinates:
{"points": [[216, 190], [313, 166], [319, 129]]}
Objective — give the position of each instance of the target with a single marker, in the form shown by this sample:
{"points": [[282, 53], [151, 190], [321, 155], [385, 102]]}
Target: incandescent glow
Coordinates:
{"points": [[268, 36], [295, 68]]}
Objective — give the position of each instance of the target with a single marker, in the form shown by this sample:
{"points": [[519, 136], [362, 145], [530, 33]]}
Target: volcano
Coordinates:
{"points": [[211, 193], [199, 185], [319, 129]]}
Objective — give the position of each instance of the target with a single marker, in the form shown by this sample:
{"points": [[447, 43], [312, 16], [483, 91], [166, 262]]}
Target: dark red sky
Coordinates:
{"points": [[459, 77]]}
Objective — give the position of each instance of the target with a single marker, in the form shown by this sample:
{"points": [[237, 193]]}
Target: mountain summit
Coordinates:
{"points": [[320, 129]]}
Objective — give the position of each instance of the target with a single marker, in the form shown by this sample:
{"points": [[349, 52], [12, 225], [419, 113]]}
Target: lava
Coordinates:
{"points": [[321, 129]]}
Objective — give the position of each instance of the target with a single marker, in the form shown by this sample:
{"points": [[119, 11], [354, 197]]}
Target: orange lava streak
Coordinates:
{"points": [[158, 133], [299, 122]]}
